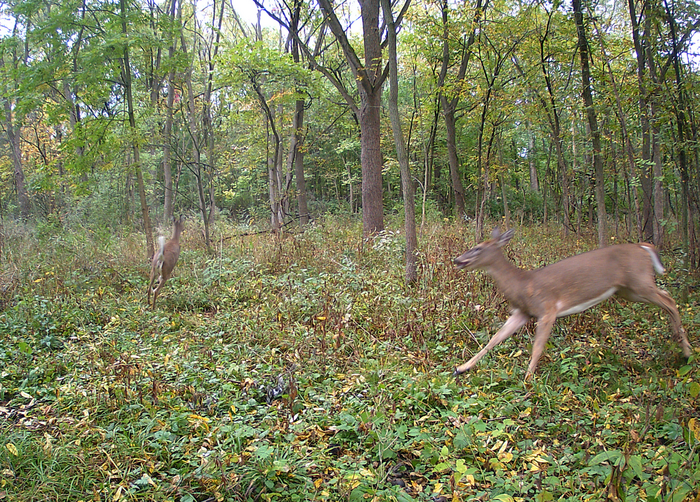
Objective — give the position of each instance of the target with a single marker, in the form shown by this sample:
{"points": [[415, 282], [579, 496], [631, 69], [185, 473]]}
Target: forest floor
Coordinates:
{"points": [[303, 368]]}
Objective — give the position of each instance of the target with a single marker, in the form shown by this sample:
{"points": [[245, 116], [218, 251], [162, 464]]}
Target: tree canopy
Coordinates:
{"points": [[582, 113]]}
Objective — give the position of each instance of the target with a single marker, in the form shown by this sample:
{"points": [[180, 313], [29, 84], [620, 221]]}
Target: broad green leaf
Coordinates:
{"points": [[504, 497], [694, 389], [635, 462], [613, 457], [684, 370]]}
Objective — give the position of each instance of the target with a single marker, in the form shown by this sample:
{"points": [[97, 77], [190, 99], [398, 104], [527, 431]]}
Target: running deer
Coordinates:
{"points": [[568, 287], [164, 261]]}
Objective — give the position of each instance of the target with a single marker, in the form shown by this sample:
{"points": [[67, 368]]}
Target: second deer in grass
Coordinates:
{"points": [[164, 261], [568, 287]]}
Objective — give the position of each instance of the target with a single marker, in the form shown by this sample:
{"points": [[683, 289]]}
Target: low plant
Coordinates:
{"points": [[302, 368]]}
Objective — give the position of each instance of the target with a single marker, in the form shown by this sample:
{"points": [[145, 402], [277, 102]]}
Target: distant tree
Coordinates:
{"points": [[584, 53]]}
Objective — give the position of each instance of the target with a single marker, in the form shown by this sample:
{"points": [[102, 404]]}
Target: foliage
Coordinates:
{"points": [[301, 368]]}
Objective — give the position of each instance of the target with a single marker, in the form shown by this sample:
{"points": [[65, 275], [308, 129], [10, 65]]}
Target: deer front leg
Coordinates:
{"points": [[514, 322], [544, 329]]}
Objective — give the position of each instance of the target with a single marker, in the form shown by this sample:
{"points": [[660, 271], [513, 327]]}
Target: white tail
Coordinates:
{"points": [[164, 261], [568, 287]]}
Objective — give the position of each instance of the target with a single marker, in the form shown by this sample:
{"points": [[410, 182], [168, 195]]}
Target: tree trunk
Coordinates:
{"points": [[644, 122], [592, 123], [406, 179], [681, 121], [455, 177], [370, 79], [12, 128], [370, 121], [534, 181], [296, 143], [207, 128], [168, 136], [626, 140], [126, 78], [449, 104], [196, 147]]}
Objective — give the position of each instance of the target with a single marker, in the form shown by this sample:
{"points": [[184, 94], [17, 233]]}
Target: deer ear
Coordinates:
{"points": [[496, 233], [504, 238]]}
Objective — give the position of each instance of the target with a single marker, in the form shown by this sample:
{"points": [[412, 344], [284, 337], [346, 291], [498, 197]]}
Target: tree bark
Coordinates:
{"points": [[409, 195], [592, 123], [296, 143], [196, 147], [168, 208], [370, 79], [207, 127], [449, 104], [126, 80]]}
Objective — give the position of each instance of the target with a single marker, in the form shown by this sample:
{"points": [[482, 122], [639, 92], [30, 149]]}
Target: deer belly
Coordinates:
{"points": [[584, 303]]}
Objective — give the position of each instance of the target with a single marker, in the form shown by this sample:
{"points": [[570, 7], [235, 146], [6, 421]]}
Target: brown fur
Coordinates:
{"points": [[567, 287], [164, 261]]}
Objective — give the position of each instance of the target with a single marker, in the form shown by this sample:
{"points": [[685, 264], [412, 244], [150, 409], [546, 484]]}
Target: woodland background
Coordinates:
{"points": [[123, 113]]}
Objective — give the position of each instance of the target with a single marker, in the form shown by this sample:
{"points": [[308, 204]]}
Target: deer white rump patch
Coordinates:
{"points": [[658, 266]]}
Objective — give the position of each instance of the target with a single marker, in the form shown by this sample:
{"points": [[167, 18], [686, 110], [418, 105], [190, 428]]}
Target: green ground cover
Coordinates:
{"points": [[303, 368]]}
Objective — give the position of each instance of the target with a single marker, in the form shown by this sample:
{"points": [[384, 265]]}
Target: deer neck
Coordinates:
{"points": [[509, 279]]}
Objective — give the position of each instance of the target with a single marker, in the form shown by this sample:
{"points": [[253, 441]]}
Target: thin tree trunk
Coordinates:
{"points": [[168, 136], [592, 123], [449, 103], [644, 121], [207, 127], [194, 136], [296, 150], [627, 141], [680, 111], [126, 77], [534, 181], [401, 153]]}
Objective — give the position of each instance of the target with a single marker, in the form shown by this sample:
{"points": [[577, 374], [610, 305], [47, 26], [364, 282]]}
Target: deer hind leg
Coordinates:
{"points": [[514, 322], [157, 289], [664, 300], [661, 298], [156, 284]]}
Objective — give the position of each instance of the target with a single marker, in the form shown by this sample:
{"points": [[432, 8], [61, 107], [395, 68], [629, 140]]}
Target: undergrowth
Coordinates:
{"points": [[303, 368]]}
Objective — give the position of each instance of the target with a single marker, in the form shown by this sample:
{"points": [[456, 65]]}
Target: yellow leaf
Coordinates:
{"points": [[366, 473], [695, 427], [438, 488], [12, 449], [505, 456]]}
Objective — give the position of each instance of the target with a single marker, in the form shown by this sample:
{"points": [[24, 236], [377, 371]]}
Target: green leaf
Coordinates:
{"points": [[613, 457], [544, 496], [504, 497], [635, 462], [694, 389], [442, 466]]}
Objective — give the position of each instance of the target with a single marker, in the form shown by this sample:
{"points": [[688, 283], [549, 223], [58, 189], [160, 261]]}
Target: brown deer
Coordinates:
{"points": [[164, 261], [568, 287]]}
